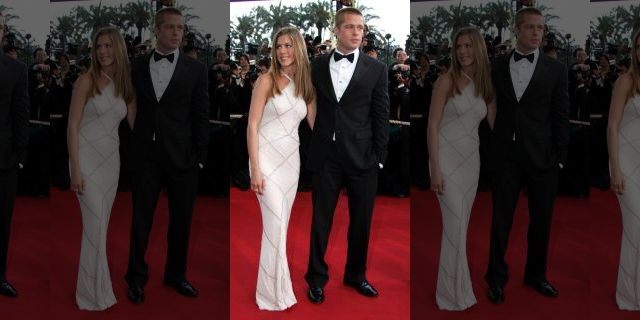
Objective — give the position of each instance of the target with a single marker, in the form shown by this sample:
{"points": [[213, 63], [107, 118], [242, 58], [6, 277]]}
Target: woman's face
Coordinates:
{"points": [[104, 51], [244, 62], [464, 51], [284, 51]]}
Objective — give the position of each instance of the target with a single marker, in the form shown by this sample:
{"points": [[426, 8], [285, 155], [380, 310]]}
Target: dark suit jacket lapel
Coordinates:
{"points": [[325, 77], [177, 74], [146, 80], [537, 74], [361, 68]]}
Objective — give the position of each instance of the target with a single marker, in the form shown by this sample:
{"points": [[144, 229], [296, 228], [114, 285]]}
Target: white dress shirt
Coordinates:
{"points": [[521, 72], [342, 71], [162, 71]]}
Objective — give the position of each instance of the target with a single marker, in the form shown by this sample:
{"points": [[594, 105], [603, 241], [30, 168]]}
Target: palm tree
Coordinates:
{"points": [[366, 14], [301, 19], [65, 29], [276, 17], [121, 18], [546, 13], [320, 14], [500, 15], [93, 18], [188, 17], [243, 29], [629, 19], [454, 18], [5, 13], [424, 29], [604, 28], [479, 19], [139, 15]]}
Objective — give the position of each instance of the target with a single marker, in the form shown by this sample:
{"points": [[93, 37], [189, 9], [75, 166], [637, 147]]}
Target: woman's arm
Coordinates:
{"points": [[258, 101], [311, 113], [78, 100], [618, 100], [438, 100], [132, 108], [491, 113]]}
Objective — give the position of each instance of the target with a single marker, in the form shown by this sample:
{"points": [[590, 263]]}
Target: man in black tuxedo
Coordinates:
{"points": [[168, 144], [348, 147], [14, 137], [530, 141]]}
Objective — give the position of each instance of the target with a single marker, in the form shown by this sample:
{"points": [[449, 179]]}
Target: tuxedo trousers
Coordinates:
{"points": [[181, 186], [361, 192], [8, 189], [541, 185]]}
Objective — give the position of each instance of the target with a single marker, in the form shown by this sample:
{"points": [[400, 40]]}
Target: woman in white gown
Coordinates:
{"points": [[101, 99], [281, 99], [461, 99], [623, 139]]}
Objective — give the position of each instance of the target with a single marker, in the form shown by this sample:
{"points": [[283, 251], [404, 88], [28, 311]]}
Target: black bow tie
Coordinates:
{"points": [[338, 57], [517, 56], [157, 56]]}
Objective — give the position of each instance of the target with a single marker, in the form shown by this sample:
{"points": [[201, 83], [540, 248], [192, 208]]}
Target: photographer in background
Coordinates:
{"points": [[421, 85], [399, 76]]}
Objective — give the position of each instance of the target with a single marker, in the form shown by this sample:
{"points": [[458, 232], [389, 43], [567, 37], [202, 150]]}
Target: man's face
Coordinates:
{"points": [[170, 32], [530, 32], [41, 56], [401, 56], [581, 56], [221, 56], [349, 33]]}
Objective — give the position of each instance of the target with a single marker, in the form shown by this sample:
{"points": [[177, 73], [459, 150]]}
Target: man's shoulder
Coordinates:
{"points": [[191, 62], [12, 64], [556, 64], [323, 58], [373, 62], [140, 60], [502, 58]]}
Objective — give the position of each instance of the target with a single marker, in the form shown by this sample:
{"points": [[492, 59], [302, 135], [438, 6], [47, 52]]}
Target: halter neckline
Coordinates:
{"points": [[106, 75]]}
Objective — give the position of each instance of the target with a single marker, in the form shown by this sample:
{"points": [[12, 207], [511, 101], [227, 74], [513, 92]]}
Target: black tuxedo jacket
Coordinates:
{"points": [[540, 120], [14, 112], [180, 120], [360, 119]]}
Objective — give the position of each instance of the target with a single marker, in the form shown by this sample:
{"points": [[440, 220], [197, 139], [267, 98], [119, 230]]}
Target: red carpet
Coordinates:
{"points": [[388, 264], [583, 260], [45, 248]]}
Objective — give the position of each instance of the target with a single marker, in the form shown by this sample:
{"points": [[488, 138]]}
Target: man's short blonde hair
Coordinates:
{"points": [[339, 19]]}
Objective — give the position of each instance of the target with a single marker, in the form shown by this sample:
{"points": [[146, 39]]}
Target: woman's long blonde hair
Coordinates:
{"points": [[302, 76], [482, 75], [123, 87], [634, 69]]}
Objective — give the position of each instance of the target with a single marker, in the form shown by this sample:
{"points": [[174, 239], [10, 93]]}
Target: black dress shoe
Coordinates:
{"points": [[364, 288], [7, 290], [316, 295], [496, 295], [184, 288], [136, 294], [543, 287]]}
